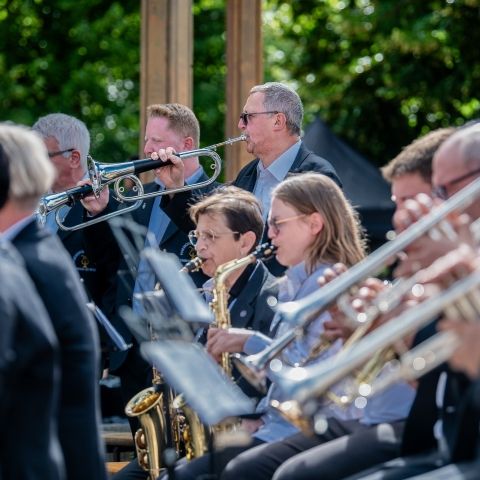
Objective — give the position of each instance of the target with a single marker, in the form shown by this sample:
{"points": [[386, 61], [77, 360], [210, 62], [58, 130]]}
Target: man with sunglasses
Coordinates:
{"points": [[272, 123]]}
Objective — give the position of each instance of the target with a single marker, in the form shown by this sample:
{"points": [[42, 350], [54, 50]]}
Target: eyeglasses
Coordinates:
{"points": [[244, 116], [60, 152], [273, 223], [206, 235], [441, 191]]}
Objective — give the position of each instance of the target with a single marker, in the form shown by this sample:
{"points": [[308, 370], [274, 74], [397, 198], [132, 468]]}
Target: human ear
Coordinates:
{"points": [[316, 223], [247, 241]]}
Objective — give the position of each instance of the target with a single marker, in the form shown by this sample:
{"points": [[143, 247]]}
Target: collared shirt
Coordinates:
{"points": [[268, 178], [296, 284], [157, 227]]}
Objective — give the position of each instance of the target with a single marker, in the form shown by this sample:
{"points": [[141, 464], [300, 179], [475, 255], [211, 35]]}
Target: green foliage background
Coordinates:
{"points": [[379, 72]]}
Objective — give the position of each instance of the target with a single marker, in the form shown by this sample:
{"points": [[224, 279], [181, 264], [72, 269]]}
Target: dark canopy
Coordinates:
{"points": [[363, 183]]}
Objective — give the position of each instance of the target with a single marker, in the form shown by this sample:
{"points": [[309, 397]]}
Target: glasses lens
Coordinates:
{"points": [[440, 192], [244, 117], [192, 237]]}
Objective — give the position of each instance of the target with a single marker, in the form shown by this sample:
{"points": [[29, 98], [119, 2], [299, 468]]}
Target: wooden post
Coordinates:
{"points": [[166, 56], [244, 70]]}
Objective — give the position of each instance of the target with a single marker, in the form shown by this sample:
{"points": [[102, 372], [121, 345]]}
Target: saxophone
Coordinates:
{"points": [[155, 409], [219, 303], [196, 435]]}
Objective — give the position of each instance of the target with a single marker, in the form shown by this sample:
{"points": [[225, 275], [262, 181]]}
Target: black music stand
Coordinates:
{"points": [[188, 369]]}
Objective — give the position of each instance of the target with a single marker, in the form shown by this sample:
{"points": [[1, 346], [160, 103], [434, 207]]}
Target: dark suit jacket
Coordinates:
{"points": [[251, 310], [59, 287], [29, 380], [94, 272], [174, 241], [418, 435], [305, 161]]}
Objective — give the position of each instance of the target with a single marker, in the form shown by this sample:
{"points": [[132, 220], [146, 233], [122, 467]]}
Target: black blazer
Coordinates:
{"points": [[59, 287], [305, 161], [94, 272], [418, 434], [29, 380], [252, 310], [174, 241]]}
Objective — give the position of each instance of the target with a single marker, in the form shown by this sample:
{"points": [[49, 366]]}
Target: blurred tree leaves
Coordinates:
{"points": [[379, 72]]}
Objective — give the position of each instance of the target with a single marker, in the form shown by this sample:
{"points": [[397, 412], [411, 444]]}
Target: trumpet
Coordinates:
{"points": [[55, 201], [299, 312], [304, 385], [104, 174]]}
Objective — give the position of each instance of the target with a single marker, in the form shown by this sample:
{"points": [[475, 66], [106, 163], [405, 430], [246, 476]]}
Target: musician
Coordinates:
{"points": [[59, 287], [29, 379], [455, 164], [229, 225], [410, 172], [313, 226], [272, 122], [68, 142], [168, 125]]}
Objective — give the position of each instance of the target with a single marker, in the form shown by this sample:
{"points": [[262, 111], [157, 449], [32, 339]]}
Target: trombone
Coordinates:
{"points": [[104, 174], [301, 312], [305, 385]]}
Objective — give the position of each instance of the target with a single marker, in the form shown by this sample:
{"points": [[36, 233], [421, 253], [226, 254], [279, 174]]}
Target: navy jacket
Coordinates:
{"points": [[29, 379], [63, 295]]}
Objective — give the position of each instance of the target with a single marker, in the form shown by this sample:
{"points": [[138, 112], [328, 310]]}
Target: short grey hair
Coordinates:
{"points": [[30, 170], [467, 141], [70, 132], [281, 98]]}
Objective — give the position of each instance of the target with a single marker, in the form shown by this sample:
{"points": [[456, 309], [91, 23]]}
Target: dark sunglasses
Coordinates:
{"points": [[244, 116]]}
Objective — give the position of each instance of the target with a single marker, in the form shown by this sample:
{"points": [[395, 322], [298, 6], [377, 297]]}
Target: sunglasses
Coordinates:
{"points": [[245, 116]]}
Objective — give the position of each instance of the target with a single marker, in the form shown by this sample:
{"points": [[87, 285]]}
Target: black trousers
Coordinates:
{"points": [[346, 447], [403, 467], [207, 467], [456, 471]]}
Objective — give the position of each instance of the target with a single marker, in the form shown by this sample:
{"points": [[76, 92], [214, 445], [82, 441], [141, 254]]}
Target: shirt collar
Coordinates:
{"points": [[281, 165]]}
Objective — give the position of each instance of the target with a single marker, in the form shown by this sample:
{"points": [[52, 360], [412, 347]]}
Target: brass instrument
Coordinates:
{"points": [[104, 174], [219, 304], [195, 434], [150, 407], [302, 312], [151, 439], [305, 385]]}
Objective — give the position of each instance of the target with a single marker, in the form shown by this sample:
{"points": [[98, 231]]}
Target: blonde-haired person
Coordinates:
{"points": [[313, 226], [58, 284]]}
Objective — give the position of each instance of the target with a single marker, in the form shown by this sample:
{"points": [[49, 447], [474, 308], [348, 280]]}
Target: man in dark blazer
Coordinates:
{"points": [[60, 289], [168, 125], [272, 122], [68, 143], [29, 378], [29, 370]]}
